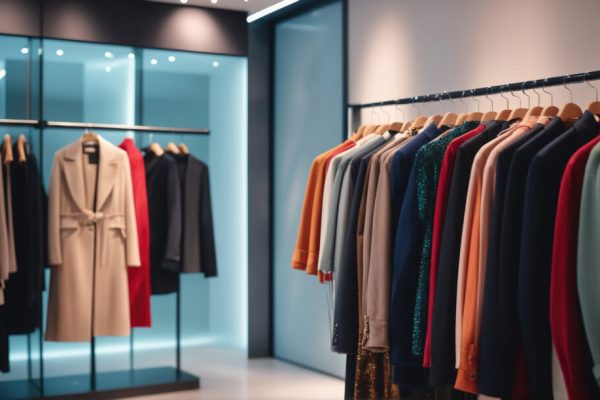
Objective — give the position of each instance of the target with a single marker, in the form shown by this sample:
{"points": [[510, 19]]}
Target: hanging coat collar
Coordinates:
{"points": [[73, 169]]}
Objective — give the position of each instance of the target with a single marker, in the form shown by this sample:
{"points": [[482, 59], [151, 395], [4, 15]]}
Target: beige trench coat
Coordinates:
{"points": [[78, 238]]}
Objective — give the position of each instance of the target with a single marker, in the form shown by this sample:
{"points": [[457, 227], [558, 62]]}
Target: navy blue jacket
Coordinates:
{"points": [[541, 197]]}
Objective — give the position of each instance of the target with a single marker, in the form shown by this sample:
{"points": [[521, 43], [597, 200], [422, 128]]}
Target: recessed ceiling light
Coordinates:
{"points": [[183, 1], [214, 1], [2, 73], [154, 61], [171, 58], [60, 53], [215, 64], [108, 54], [108, 68], [25, 50], [131, 56]]}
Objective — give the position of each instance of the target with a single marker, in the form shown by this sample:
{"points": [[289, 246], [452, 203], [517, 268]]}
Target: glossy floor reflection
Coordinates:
{"points": [[227, 375]]}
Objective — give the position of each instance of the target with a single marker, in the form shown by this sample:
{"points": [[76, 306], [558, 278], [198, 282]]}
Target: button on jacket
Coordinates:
{"points": [[543, 183], [438, 224], [565, 316], [588, 257], [443, 324], [501, 361], [91, 227]]}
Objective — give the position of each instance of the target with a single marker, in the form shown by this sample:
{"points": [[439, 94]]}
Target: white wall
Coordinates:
{"points": [[402, 48]]}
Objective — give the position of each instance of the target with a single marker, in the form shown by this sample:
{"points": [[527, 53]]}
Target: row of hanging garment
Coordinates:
{"points": [[22, 242], [122, 226], [462, 252]]}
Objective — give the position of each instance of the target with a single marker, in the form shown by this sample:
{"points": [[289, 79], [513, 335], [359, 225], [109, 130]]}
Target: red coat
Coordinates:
{"points": [[139, 278]]}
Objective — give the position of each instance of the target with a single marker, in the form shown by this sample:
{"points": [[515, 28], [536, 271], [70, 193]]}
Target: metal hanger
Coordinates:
{"points": [[534, 111], [449, 118], [490, 115], [594, 106], [475, 116], [570, 111], [397, 126], [551, 110], [518, 112]]}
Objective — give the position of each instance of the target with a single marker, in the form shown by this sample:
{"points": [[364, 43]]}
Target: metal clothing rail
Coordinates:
{"points": [[113, 127], [489, 90]]}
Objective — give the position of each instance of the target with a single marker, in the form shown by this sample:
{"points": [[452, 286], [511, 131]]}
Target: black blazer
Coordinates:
{"points": [[497, 373], [164, 210], [24, 288], [198, 242], [442, 370], [535, 263]]}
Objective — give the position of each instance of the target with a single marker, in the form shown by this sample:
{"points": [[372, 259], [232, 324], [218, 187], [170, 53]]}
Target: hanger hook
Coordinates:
{"points": [[414, 104], [526, 95], [462, 100], [590, 84], [401, 111], [489, 98], [548, 92], [474, 99], [569, 89], [385, 112], [514, 95], [533, 89], [501, 93], [374, 116]]}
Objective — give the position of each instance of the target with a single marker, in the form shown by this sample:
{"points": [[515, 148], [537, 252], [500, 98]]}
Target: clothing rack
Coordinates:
{"points": [[41, 124], [107, 384], [484, 91]]}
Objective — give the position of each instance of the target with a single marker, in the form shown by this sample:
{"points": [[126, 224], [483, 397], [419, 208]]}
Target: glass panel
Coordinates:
{"points": [[308, 120], [86, 82], [16, 64]]}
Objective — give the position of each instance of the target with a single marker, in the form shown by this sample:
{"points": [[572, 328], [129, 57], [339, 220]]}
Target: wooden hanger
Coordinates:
{"points": [[21, 151], [489, 116], [449, 119], [535, 111], [396, 126], [90, 136], [461, 118], [504, 114], [474, 116], [419, 122], [570, 112], [184, 149], [434, 119], [172, 148], [406, 126], [594, 106], [517, 113], [7, 153], [156, 149]]}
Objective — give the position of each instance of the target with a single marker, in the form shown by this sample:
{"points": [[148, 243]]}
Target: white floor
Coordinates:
{"points": [[227, 375]]}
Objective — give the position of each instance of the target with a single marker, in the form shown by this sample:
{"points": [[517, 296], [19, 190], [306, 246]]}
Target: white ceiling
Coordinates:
{"points": [[251, 6]]}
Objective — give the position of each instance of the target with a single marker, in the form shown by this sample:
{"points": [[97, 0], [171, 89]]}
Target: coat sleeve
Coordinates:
{"points": [[4, 262], [131, 242], [208, 256], [172, 257], [54, 191]]}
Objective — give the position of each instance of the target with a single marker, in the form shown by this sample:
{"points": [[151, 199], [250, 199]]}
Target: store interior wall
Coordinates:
{"points": [[431, 46], [308, 118]]}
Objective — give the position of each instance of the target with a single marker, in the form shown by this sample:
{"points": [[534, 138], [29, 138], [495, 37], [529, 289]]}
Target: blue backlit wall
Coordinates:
{"points": [[98, 83]]}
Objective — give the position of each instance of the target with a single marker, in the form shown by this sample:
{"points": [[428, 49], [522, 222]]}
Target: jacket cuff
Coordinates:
{"points": [[299, 259], [375, 335], [466, 377], [171, 265]]}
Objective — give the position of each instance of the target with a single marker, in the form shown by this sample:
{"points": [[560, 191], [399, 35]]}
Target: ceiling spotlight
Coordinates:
{"points": [[2, 73], [131, 56], [215, 64], [25, 50], [171, 58], [154, 61], [108, 54], [214, 1], [60, 53], [183, 1], [108, 68]]}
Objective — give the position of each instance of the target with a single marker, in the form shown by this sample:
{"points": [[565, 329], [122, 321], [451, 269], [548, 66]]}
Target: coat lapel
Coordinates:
{"points": [[74, 173], [107, 175]]}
